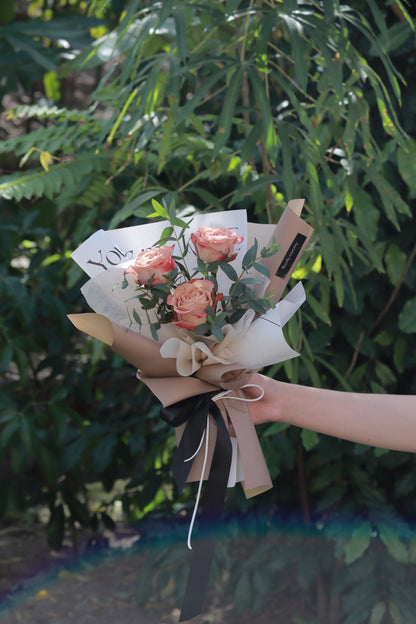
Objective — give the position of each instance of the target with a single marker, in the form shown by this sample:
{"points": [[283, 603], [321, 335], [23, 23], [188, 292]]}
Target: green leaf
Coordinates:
{"points": [[200, 94], [288, 172], [407, 317], [377, 613], [236, 316], [385, 374], [153, 329], [312, 371], [339, 286], [328, 248], [103, 452], [261, 268], [345, 385], [200, 330], [38, 182], [6, 354], [229, 271], [210, 314], [251, 280], [248, 149], [406, 14], [399, 351], [121, 115], [386, 120], [52, 86], [390, 198], [165, 143], [165, 11], [159, 211], [72, 454], [28, 433], [180, 33], [297, 41], [263, 101], [274, 429], [35, 50], [137, 317], [395, 613], [217, 332], [406, 160], [365, 214], [250, 255], [257, 306], [227, 111], [251, 187], [8, 432], [334, 67], [44, 158], [350, 131], [318, 308], [206, 196], [378, 17], [359, 542], [310, 439], [397, 36], [391, 540]]}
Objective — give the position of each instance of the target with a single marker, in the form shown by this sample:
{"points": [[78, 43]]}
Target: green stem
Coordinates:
{"points": [[182, 253]]}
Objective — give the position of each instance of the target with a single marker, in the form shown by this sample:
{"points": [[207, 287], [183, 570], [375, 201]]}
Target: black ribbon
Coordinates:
{"points": [[194, 412]]}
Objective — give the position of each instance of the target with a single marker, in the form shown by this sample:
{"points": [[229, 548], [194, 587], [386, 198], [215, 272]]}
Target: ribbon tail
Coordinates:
{"points": [[187, 446], [203, 550], [256, 475], [196, 586]]}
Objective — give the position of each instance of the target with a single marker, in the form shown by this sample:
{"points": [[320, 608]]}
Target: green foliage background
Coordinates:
{"points": [[219, 105]]}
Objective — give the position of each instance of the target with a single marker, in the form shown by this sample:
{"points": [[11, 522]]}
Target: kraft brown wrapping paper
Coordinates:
{"points": [[289, 226], [237, 418], [144, 354]]}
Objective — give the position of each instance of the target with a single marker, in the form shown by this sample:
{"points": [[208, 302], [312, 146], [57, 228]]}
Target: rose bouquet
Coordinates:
{"points": [[196, 306], [179, 283]]}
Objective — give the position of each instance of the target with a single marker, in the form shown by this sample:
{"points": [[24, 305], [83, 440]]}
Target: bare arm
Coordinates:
{"points": [[383, 420]]}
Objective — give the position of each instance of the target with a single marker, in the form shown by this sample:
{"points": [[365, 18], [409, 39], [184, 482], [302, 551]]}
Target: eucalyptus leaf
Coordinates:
{"points": [[229, 270]]}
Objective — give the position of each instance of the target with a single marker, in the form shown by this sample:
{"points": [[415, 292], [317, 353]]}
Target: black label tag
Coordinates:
{"points": [[291, 255]]}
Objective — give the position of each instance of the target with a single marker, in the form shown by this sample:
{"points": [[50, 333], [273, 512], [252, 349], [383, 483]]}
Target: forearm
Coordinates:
{"points": [[387, 421]]}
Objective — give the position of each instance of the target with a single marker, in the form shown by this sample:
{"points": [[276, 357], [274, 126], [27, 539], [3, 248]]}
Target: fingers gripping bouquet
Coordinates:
{"points": [[195, 306]]}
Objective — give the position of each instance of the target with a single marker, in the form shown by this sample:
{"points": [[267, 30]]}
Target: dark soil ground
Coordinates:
{"points": [[38, 586]]}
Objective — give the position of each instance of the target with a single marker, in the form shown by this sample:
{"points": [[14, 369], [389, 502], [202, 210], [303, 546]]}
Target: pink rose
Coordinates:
{"points": [[189, 302], [156, 262], [213, 244]]}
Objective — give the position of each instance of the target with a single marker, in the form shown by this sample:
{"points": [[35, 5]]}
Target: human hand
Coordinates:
{"points": [[268, 408]]}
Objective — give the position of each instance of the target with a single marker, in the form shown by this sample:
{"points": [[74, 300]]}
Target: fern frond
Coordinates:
{"points": [[38, 182], [44, 112], [64, 137], [97, 191]]}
